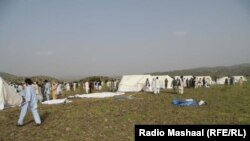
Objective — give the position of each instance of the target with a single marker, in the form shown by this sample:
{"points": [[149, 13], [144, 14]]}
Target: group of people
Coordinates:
{"points": [[98, 85], [52, 90], [153, 86], [178, 84], [89, 86]]}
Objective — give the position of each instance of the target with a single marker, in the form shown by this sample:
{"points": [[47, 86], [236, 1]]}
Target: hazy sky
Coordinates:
{"points": [[114, 37]]}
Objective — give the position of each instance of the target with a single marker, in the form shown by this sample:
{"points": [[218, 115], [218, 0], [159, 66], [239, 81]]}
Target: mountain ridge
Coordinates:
{"points": [[217, 71]]}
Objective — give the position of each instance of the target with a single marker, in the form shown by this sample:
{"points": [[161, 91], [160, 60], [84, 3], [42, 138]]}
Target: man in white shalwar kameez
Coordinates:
{"points": [[74, 86], [157, 85], [180, 86], [87, 87], [67, 87], [59, 88], [47, 90], [153, 85], [30, 103]]}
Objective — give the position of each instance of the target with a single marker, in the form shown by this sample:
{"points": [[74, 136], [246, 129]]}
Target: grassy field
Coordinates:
{"points": [[110, 119]]}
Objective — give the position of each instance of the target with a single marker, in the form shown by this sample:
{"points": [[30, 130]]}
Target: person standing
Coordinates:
{"points": [[112, 85], [147, 85], [180, 86], [37, 89], [91, 86], [59, 89], [67, 87], [154, 85], [30, 103], [157, 85], [174, 85], [47, 89], [74, 86], [87, 87], [54, 88]]}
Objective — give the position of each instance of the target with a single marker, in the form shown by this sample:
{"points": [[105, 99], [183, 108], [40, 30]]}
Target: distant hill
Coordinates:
{"points": [[41, 78], [241, 69], [95, 78], [13, 78], [10, 77]]}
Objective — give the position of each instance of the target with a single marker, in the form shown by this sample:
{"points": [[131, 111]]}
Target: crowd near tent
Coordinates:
{"points": [[207, 78], [185, 77], [163, 79], [135, 83], [8, 96]]}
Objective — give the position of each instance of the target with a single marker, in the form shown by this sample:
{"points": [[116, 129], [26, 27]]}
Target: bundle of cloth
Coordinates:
{"points": [[57, 101], [97, 95], [188, 102]]}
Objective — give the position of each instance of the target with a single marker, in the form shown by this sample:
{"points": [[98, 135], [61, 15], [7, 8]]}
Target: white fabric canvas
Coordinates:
{"points": [[8, 96], [56, 101], [222, 80], [97, 95], [135, 83], [237, 78]]}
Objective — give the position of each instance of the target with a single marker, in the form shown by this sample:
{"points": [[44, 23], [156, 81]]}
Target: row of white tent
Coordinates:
{"points": [[136, 83], [129, 83]]}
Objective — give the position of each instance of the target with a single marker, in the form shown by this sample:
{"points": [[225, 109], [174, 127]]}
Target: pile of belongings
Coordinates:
{"points": [[188, 102]]}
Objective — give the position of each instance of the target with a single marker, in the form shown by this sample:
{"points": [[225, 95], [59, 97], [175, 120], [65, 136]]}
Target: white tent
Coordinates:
{"points": [[134, 83], [8, 96], [222, 80], [162, 79], [237, 78]]}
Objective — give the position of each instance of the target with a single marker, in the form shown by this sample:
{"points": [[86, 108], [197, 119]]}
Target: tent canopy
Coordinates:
{"points": [[237, 78], [135, 83], [222, 80], [8, 96]]}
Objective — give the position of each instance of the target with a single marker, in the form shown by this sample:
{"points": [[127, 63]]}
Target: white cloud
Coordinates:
{"points": [[180, 33], [46, 53]]}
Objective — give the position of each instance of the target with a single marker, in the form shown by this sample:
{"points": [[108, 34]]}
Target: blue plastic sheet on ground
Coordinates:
{"points": [[188, 102]]}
